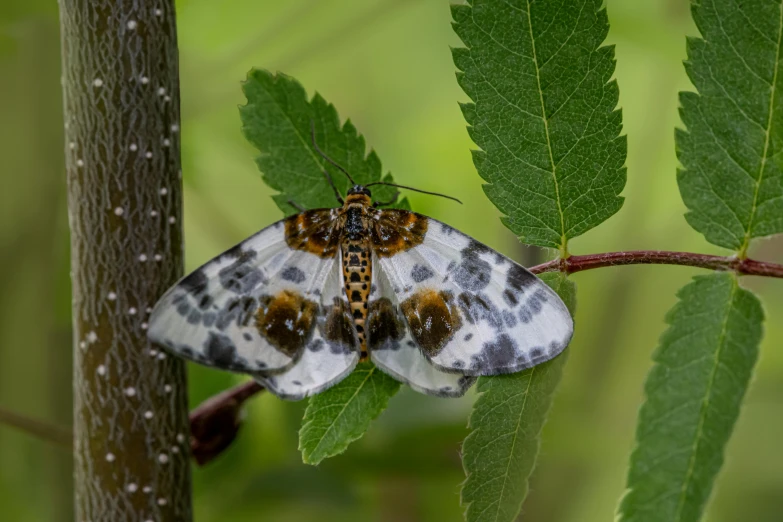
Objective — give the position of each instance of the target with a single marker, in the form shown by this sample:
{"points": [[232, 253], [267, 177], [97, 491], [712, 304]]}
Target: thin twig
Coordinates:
{"points": [[659, 257], [58, 435]]}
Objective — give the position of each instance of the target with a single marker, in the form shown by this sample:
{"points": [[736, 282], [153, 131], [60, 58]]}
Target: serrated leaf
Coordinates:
{"points": [[500, 452], [543, 113], [732, 182], [702, 369], [341, 414], [277, 120]]}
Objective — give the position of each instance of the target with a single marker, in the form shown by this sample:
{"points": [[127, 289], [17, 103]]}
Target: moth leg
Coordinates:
{"points": [[297, 206], [392, 201], [331, 184]]}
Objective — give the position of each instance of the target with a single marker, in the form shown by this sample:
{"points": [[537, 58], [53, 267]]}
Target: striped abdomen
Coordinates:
{"points": [[357, 275]]}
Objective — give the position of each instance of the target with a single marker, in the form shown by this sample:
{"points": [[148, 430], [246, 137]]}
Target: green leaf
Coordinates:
{"points": [[342, 414], [277, 119], [543, 113], [732, 181], [506, 422], [702, 369]]}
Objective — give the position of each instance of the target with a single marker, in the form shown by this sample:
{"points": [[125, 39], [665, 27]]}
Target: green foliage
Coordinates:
{"points": [[277, 121], [500, 452], [694, 391], [342, 414], [543, 113], [732, 182]]}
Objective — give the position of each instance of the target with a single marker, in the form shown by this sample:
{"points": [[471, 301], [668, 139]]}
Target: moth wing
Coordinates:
{"points": [[331, 354], [469, 308], [393, 349], [253, 308]]}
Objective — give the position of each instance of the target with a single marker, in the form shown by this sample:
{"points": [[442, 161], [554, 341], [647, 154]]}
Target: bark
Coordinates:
{"points": [[121, 103]]}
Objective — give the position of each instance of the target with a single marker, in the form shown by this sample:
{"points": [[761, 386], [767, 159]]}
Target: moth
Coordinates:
{"points": [[300, 303]]}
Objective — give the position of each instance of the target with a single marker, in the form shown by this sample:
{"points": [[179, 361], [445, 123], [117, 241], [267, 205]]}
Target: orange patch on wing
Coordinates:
{"points": [[397, 231], [286, 320], [313, 231], [433, 318]]}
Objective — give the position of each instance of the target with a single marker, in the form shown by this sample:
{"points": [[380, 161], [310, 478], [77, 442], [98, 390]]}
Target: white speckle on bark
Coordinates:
{"points": [[132, 487], [97, 82], [92, 337], [142, 257], [161, 356], [166, 142], [167, 388], [153, 213], [130, 391], [161, 91], [144, 326], [80, 162], [163, 458], [158, 257], [133, 147], [180, 438], [146, 489], [144, 80], [174, 449], [158, 12], [175, 128], [148, 414], [111, 296], [164, 191], [162, 501], [172, 219], [119, 211], [110, 457], [101, 370], [71, 145], [132, 310]]}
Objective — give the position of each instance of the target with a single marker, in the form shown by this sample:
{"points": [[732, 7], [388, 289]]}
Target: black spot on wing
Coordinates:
{"points": [[497, 355], [316, 345], [473, 273], [240, 277], [533, 306], [238, 310], [478, 307], [421, 273], [195, 283], [220, 350], [509, 318], [293, 274], [518, 279]]}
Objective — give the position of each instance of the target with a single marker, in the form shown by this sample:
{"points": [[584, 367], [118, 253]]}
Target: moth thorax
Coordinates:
{"points": [[357, 276]]}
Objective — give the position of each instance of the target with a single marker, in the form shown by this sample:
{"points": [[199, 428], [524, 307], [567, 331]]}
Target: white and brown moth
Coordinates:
{"points": [[301, 302]]}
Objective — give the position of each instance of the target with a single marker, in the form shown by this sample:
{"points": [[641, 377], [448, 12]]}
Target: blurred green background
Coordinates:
{"points": [[386, 65]]}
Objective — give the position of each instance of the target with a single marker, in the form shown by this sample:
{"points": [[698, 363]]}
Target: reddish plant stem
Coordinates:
{"points": [[659, 257], [214, 423]]}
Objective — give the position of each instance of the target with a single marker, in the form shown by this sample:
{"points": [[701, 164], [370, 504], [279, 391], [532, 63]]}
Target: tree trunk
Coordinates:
{"points": [[121, 102]]}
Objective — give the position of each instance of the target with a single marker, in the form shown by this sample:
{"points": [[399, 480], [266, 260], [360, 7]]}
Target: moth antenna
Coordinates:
{"points": [[414, 189], [324, 156]]}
